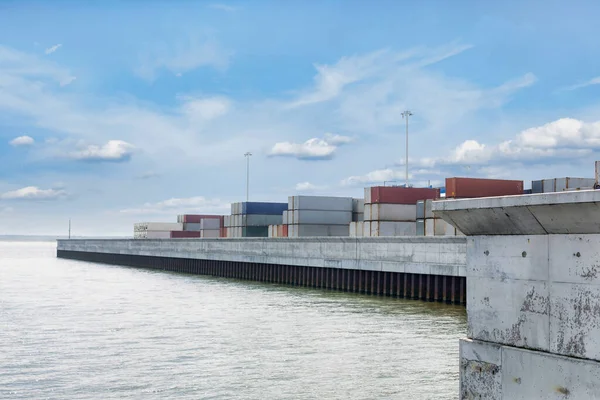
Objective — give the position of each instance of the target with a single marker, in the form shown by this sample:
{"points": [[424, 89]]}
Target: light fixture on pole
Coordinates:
{"points": [[247, 155], [406, 114]]}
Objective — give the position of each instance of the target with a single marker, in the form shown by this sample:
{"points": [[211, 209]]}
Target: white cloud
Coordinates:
{"points": [[308, 187], [183, 57], [223, 7], [591, 82], [34, 193], [22, 141], [112, 151], [377, 176], [52, 49], [67, 81], [205, 109], [312, 149], [176, 206]]}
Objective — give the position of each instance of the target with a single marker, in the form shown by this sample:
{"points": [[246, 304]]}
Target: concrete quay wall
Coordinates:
{"points": [[533, 295], [409, 267]]}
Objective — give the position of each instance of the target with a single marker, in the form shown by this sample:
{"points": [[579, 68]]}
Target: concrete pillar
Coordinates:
{"points": [[533, 287]]}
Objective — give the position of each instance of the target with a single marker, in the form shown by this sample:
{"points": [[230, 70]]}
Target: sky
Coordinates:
{"points": [[117, 112]]}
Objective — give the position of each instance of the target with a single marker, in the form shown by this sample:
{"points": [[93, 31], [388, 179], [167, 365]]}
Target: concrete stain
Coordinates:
{"points": [[535, 303], [563, 390], [590, 273]]}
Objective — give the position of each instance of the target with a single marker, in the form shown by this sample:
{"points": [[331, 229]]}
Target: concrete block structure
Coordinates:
{"points": [[533, 295]]}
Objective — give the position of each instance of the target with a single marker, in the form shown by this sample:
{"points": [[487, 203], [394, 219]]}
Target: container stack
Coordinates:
{"points": [[278, 231], [561, 184], [156, 230], [464, 188], [203, 225], [392, 210], [430, 225], [252, 219], [310, 216]]}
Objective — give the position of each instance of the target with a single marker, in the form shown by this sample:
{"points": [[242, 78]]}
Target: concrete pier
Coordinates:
{"points": [[425, 268], [533, 285]]}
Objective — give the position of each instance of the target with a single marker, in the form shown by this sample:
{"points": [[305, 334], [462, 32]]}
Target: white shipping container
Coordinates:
{"points": [[313, 230], [284, 217], [140, 235], [323, 203], [322, 217], [210, 233], [358, 217], [158, 226], [158, 235], [260, 220], [428, 209], [191, 227], [356, 229], [210, 223], [393, 228], [429, 227], [358, 205], [367, 195], [237, 220], [367, 229], [290, 203], [563, 184], [392, 212]]}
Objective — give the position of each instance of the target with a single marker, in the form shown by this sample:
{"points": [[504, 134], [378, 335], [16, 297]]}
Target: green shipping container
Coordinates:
{"points": [[255, 231]]}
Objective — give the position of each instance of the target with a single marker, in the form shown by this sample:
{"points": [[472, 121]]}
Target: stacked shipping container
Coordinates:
{"points": [[429, 225], [561, 184], [391, 211], [207, 226], [462, 188], [309, 216], [155, 230], [252, 219]]}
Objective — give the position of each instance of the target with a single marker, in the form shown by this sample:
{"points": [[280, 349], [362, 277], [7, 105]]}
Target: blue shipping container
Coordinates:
{"points": [[264, 208]]}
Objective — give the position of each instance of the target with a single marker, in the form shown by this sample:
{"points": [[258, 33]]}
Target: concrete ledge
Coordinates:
{"points": [[536, 214], [417, 255]]}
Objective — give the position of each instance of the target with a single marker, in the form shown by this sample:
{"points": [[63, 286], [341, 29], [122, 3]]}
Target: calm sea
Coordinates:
{"points": [[76, 330]]}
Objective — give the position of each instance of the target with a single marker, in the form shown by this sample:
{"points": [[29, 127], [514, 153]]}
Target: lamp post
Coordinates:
{"points": [[406, 114], [247, 155]]}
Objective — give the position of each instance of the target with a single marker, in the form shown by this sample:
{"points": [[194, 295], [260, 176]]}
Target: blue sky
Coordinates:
{"points": [[121, 111]]}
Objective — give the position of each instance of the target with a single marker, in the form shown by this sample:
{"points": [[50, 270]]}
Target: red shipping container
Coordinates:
{"points": [[196, 218], [223, 233], [184, 234], [399, 195], [284, 231], [457, 188]]}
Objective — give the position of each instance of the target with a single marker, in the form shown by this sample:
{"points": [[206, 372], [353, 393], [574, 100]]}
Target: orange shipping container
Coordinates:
{"points": [[477, 187], [284, 231]]}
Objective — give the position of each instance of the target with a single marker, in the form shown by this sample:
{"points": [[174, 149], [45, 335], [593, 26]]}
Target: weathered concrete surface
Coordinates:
{"points": [[536, 214], [533, 283], [492, 371], [444, 256]]}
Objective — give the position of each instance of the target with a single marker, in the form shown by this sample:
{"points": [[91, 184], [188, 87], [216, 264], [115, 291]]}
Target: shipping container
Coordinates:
{"points": [[211, 224], [399, 195], [537, 186], [393, 228], [196, 218], [561, 184], [290, 203], [158, 226], [438, 227], [223, 232], [238, 220], [260, 220], [420, 226], [263, 208], [255, 231], [478, 187], [358, 205], [322, 217], [356, 229], [367, 229], [184, 234], [358, 217], [313, 230], [227, 221], [284, 217], [429, 209], [210, 233], [191, 227], [158, 235], [420, 209], [430, 227], [392, 212], [322, 203]]}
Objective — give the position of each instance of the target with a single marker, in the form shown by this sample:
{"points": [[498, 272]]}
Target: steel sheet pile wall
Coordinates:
{"points": [[428, 224], [391, 211], [319, 216], [252, 219], [561, 184]]}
